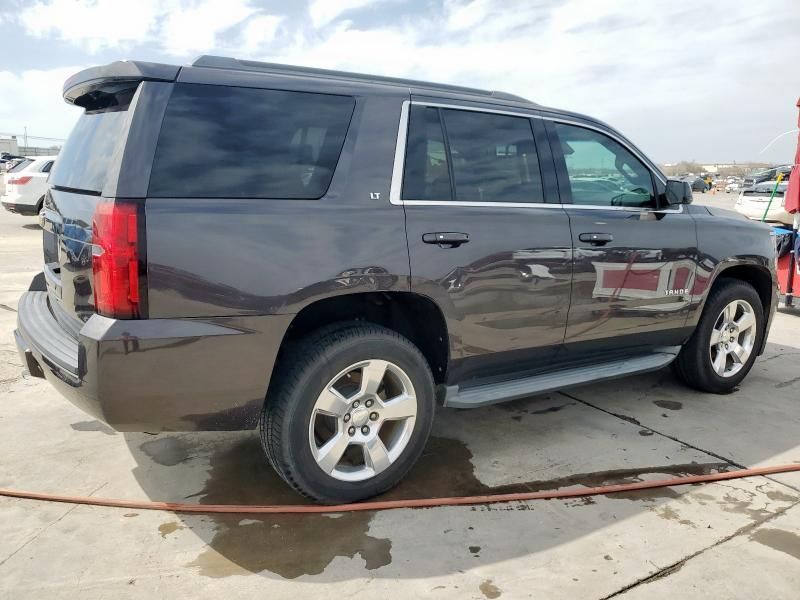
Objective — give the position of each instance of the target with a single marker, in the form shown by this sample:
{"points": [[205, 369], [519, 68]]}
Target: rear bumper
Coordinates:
{"points": [[28, 210], [157, 374]]}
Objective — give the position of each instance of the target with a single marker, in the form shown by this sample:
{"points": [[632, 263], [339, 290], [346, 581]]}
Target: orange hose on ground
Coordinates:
{"points": [[394, 504]]}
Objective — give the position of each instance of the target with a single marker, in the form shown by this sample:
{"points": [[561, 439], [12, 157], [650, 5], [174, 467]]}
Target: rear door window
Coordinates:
{"points": [[485, 157], [229, 142], [493, 156]]}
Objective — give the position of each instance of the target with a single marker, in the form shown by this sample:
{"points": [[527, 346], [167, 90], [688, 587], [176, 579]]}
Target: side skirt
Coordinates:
{"points": [[492, 393]]}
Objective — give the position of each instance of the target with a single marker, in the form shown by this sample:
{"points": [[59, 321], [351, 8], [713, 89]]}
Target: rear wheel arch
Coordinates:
{"points": [[414, 316]]}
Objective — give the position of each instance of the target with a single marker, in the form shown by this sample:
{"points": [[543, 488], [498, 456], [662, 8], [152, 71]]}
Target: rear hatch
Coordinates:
{"points": [[87, 175]]}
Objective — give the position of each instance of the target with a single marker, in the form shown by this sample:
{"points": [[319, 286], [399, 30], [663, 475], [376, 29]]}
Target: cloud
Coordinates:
{"points": [[93, 25], [258, 32], [323, 12], [178, 27], [32, 98], [194, 28]]}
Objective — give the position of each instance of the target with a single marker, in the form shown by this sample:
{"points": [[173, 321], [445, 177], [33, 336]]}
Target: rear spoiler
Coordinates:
{"points": [[83, 88]]}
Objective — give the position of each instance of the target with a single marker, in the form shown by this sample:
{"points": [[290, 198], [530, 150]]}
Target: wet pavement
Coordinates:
{"points": [[734, 539]]}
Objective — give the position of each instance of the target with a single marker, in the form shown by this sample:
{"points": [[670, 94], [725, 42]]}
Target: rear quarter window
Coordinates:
{"points": [[229, 142], [84, 161]]}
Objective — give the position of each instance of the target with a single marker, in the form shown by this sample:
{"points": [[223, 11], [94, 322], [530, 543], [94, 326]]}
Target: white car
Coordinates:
{"points": [[26, 184], [753, 201]]}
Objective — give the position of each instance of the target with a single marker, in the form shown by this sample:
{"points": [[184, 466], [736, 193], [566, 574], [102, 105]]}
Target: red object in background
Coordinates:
{"points": [[792, 200], [785, 263]]}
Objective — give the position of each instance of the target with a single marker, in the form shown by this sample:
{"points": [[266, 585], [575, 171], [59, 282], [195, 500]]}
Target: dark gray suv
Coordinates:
{"points": [[326, 255]]}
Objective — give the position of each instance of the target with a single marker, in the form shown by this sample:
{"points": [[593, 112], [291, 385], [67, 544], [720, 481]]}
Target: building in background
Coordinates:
{"points": [[9, 144]]}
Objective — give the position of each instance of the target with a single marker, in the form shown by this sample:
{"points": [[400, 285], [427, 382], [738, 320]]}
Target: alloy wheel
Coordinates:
{"points": [[362, 421], [732, 339]]}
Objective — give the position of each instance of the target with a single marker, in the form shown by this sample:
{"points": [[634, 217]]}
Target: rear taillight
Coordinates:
{"points": [[115, 259], [20, 180]]}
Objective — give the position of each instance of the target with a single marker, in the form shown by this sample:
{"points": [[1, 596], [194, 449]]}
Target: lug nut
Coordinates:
{"points": [[346, 418], [373, 416], [356, 403], [365, 430], [352, 431], [368, 403]]}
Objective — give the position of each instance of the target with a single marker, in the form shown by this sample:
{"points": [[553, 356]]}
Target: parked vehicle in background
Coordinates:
{"points": [[26, 185], [732, 186], [753, 201], [766, 175], [361, 249], [698, 184]]}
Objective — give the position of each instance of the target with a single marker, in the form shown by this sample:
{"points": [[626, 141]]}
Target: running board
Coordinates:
{"points": [[481, 395]]}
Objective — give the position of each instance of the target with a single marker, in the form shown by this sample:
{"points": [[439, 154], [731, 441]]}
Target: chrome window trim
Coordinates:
{"points": [[399, 156], [478, 203], [395, 188]]}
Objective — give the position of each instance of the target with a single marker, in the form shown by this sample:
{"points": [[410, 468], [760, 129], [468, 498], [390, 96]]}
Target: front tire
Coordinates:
{"points": [[349, 412], [725, 343]]}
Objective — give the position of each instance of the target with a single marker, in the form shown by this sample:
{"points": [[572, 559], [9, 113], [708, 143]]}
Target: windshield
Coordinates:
{"points": [[20, 165]]}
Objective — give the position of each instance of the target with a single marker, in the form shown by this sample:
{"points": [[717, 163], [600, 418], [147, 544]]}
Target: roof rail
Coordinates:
{"points": [[223, 62]]}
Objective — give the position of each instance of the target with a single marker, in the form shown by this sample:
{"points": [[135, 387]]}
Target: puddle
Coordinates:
{"points": [[489, 590], [668, 404], [778, 539], [288, 545], [670, 514], [296, 545], [167, 451], [167, 528], [93, 426]]}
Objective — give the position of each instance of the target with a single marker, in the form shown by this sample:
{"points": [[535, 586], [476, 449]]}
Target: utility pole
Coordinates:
{"points": [[25, 135]]}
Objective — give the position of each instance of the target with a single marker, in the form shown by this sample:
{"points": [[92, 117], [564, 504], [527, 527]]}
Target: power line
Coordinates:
{"points": [[32, 137]]}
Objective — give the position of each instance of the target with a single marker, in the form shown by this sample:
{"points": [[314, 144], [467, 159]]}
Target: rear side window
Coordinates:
{"points": [[47, 166], [229, 142], [487, 157]]}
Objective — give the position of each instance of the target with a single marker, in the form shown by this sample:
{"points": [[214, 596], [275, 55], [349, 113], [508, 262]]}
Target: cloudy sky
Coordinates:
{"points": [[685, 79]]}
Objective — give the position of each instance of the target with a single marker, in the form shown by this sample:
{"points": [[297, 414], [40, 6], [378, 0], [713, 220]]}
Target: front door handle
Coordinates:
{"points": [[596, 239], [446, 239]]}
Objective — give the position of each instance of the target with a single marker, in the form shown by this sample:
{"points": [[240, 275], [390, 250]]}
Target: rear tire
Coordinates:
{"points": [[723, 347], [348, 413]]}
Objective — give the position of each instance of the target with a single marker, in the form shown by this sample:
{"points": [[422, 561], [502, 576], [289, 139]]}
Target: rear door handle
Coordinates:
{"points": [[446, 239], [596, 239]]}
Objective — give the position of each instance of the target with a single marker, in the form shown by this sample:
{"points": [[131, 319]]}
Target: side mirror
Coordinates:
{"points": [[678, 192]]}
